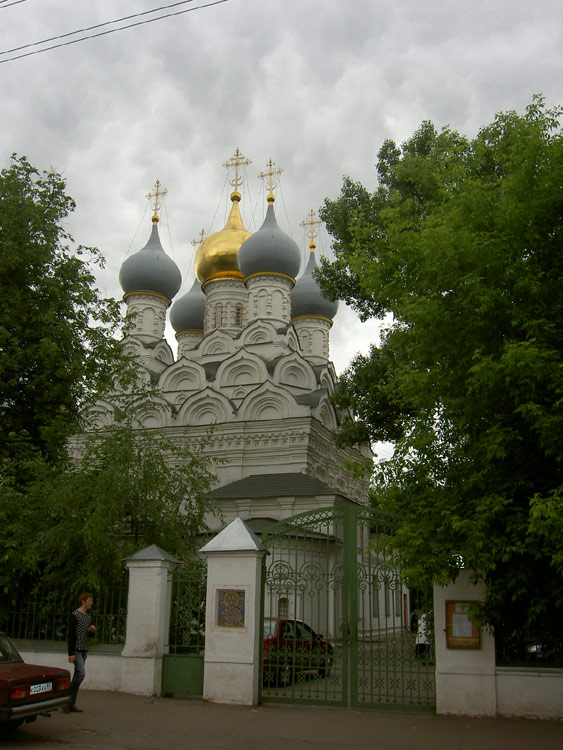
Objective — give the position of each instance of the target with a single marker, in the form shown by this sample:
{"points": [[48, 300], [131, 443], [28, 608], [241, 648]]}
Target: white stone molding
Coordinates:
{"points": [[184, 375], [226, 306], [269, 297], [163, 352], [313, 335], [327, 380], [216, 343], [98, 415], [132, 346], [242, 369], [188, 340], [295, 372], [270, 402], [258, 332], [146, 312], [292, 339], [204, 408], [326, 415], [152, 413]]}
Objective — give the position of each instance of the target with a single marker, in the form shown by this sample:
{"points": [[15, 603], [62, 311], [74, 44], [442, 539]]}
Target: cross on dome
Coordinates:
{"points": [[310, 224], [237, 160], [271, 173], [198, 241], [156, 194]]}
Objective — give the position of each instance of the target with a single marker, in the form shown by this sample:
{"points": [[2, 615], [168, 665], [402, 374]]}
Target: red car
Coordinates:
{"points": [[292, 647], [27, 690]]}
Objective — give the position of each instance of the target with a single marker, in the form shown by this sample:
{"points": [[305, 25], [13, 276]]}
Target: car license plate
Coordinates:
{"points": [[43, 687]]}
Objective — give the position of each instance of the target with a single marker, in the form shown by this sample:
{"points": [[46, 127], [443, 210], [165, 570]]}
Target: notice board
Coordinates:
{"points": [[462, 630]]}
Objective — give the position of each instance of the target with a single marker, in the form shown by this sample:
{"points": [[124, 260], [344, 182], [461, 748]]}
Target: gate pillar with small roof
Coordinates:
{"points": [[148, 620], [234, 605]]}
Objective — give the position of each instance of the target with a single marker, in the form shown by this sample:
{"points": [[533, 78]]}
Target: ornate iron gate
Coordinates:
{"points": [[338, 618]]}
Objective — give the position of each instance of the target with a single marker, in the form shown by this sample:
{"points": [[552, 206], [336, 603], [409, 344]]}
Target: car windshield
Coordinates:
{"points": [[8, 651], [269, 628]]}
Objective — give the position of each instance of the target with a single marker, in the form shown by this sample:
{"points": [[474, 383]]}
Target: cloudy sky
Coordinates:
{"points": [[315, 85]]}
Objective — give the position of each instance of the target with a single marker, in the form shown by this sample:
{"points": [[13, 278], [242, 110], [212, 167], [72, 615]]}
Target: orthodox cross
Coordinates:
{"points": [[237, 160], [197, 242], [309, 225], [271, 173], [158, 191]]}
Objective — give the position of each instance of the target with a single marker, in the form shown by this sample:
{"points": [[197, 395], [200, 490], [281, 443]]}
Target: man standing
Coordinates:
{"points": [[79, 629]]}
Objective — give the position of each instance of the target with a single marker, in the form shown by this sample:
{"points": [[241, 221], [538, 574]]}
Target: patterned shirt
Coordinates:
{"points": [[83, 622]]}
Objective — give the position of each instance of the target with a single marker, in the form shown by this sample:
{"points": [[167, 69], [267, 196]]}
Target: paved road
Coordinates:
{"points": [[117, 721]]}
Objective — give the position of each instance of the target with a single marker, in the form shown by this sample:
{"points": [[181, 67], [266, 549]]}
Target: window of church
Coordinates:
{"points": [[375, 598], [387, 599], [219, 316], [238, 316], [397, 600]]}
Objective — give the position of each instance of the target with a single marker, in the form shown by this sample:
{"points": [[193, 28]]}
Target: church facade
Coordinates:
{"points": [[252, 360]]}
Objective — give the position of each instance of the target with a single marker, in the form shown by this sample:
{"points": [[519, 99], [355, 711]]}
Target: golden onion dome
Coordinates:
{"points": [[217, 256]]}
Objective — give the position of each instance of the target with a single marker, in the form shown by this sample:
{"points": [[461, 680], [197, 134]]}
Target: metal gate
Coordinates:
{"points": [[340, 625], [182, 667]]}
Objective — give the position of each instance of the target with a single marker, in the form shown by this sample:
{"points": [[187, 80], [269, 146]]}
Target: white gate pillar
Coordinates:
{"points": [[232, 624], [148, 620], [465, 655]]}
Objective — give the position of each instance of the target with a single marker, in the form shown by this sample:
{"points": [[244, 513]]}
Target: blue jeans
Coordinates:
{"points": [[79, 674]]}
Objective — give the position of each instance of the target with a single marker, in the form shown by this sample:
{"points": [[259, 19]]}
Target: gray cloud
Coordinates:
{"points": [[316, 85]]}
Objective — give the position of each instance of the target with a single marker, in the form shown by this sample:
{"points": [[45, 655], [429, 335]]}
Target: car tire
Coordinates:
{"points": [[10, 726]]}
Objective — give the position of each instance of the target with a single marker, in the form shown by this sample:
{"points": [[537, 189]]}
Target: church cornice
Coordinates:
{"points": [[316, 317], [189, 330], [270, 273], [223, 276], [144, 293]]}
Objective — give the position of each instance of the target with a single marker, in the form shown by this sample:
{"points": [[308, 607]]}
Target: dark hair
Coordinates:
{"points": [[85, 595]]}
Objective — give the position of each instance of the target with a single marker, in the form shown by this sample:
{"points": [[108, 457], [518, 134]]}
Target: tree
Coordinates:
{"points": [[57, 336], [130, 488], [67, 523], [460, 247]]}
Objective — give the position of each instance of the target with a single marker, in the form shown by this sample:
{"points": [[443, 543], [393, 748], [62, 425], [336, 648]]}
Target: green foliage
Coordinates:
{"points": [[65, 525], [131, 488], [57, 344], [460, 247]]}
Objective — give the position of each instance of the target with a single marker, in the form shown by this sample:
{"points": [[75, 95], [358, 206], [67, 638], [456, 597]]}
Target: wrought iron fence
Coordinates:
{"points": [[515, 650], [43, 616], [187, 615]]}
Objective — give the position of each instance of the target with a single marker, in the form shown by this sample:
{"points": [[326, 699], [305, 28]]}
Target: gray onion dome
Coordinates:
{"points": [[306, 297], [150, 270], [186, 314], [269, 250]]}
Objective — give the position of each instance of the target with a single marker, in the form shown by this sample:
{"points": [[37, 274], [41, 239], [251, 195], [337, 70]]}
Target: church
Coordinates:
{"points": [[252, 360]]}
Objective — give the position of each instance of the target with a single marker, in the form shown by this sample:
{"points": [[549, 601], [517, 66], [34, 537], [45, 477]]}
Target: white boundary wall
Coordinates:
{"points": [[103, 671], [468, 683], [138, 667]]}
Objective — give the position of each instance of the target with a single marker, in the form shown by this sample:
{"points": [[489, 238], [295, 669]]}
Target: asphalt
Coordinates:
{"points": [[119, 721]]}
